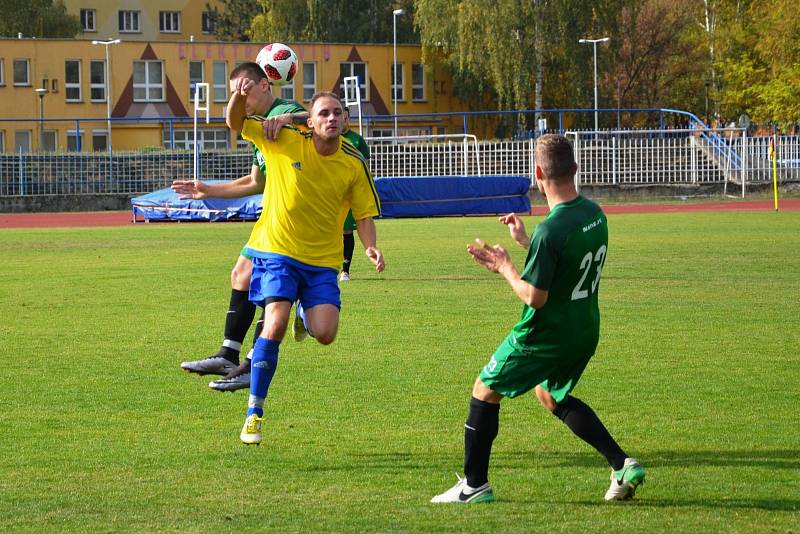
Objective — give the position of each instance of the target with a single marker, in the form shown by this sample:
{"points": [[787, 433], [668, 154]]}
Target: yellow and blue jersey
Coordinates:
{"points": [[309, 196]]}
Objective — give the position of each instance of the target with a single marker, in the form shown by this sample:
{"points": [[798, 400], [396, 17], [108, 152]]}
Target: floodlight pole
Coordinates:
{"points": [[395, 14], [594, 46], [108, 43]]}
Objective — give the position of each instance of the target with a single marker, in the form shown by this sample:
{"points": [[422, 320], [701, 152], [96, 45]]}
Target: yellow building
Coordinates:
{"points": [[54, 92], [144, 20]]}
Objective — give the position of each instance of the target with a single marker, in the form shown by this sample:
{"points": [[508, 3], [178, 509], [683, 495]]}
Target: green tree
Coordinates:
{"points": [[232, 21], [333, 21], [37, 18]]}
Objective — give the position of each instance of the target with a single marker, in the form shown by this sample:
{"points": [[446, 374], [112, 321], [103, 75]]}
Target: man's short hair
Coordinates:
{"points": [[323, 94], [555, 156], [250, 70]]}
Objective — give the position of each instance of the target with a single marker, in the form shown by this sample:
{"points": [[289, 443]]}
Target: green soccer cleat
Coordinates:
{"points": [[625, 481], [464, 494], [251, 431]]}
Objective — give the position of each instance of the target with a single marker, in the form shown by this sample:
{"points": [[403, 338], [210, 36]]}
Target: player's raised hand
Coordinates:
{"points": [[194, 189], [272, 125], [242, 85], [376, 257], [493, 258], [516, 228]]}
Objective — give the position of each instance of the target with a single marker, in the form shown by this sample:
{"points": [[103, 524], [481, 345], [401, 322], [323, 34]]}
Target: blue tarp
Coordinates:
{"points": [[400, 197], [164, 205], [453, 195]]}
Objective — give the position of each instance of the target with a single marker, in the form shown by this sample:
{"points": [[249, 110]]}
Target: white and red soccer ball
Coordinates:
{"points": [[279, 63]]}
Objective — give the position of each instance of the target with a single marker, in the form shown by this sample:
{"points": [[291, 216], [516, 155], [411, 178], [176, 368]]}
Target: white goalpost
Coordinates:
{"points": [[200, 89]]}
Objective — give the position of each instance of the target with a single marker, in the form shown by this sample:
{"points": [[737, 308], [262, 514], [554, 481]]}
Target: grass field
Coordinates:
{"points": [[696, 374]]}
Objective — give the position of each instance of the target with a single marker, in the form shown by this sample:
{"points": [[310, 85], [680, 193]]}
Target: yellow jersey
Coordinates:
{"points": [[309, 196]]}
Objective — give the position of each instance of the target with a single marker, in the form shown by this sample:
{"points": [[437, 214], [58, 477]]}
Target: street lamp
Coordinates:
{"points": [[107, 43], [395, 14], [41, 91], [594, 45]]}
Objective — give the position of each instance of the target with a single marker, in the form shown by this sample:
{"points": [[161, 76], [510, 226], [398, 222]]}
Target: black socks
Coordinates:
{"points": [[237, 322], [479, 433], [585, 424], [349, 246]]}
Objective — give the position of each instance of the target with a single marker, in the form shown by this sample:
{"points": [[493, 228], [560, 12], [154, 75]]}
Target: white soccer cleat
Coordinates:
{"points": [[344, 277], [625, 481], [464, 494], [251, 431]]}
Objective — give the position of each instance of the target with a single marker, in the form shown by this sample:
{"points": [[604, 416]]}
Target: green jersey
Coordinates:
{"points": [[358, 142], [566, 257], [279, 107]]}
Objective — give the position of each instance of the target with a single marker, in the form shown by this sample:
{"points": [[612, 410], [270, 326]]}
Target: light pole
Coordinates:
{"points": [[594, 45], [395, 14], [41, 91], [108, 43]]}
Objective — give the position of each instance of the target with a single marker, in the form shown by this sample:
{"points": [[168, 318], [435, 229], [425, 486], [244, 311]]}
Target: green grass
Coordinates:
{"points": [[696, 375]]}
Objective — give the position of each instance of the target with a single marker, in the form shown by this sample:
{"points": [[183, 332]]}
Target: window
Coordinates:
{"points": [[397, 84], [2, 72], [22, 72], [207, 26], [220, 81], [309, 80], [129, 21], [355, 69], [48, 141], [87, 20], [169, 21], [418, 82], [99, 140], [97, 81], [2, 141], [74, 141], [72, 80], [287, 91], [195, 77], [22, 140], [210, 138], [148, 81]]}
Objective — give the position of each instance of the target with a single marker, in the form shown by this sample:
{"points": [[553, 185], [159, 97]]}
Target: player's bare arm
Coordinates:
{"points": [[236, 111], [497, 260], [251, 184], [272, 125], [517, 229], [367, 235]]}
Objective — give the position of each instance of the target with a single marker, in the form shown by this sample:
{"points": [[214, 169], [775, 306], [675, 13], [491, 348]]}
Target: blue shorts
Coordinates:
{"points": [[278, 277]]}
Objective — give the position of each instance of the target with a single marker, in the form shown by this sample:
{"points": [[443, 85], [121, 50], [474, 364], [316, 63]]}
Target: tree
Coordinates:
{"points": [[37, 18], [232, 21], [338, 21]]}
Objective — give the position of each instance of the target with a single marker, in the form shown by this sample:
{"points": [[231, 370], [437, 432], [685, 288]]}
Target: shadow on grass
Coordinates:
{"points": [[742, 459]]}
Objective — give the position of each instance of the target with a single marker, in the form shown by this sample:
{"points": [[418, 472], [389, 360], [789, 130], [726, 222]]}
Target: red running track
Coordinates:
{"points": [[121, 218]]}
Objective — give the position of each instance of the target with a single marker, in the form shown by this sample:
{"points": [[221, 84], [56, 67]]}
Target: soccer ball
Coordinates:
{"points": [[279, 62]]}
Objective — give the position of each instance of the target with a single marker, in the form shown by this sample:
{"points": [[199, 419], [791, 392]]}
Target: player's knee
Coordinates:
{"points": [[325, 338], [240, 276]]}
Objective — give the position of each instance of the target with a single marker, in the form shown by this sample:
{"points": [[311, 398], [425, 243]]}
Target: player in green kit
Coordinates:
{"points": [[548, 349], [350, 222]]}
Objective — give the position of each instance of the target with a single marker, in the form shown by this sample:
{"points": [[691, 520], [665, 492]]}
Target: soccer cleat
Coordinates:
{"points": [[213, 365], [344, 277], [237, 379], [299, 332], [625, 481], [464, 494], [251, 431]]}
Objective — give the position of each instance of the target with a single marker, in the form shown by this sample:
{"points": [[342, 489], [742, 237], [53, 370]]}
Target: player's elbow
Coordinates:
{"points": [[537, 298]]}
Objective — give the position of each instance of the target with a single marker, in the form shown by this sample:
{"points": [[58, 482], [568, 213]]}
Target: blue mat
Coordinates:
{"points": [[400, 197]]}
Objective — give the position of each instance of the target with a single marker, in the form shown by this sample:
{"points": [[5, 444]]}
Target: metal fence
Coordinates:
{"points": [[617, 158]]}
